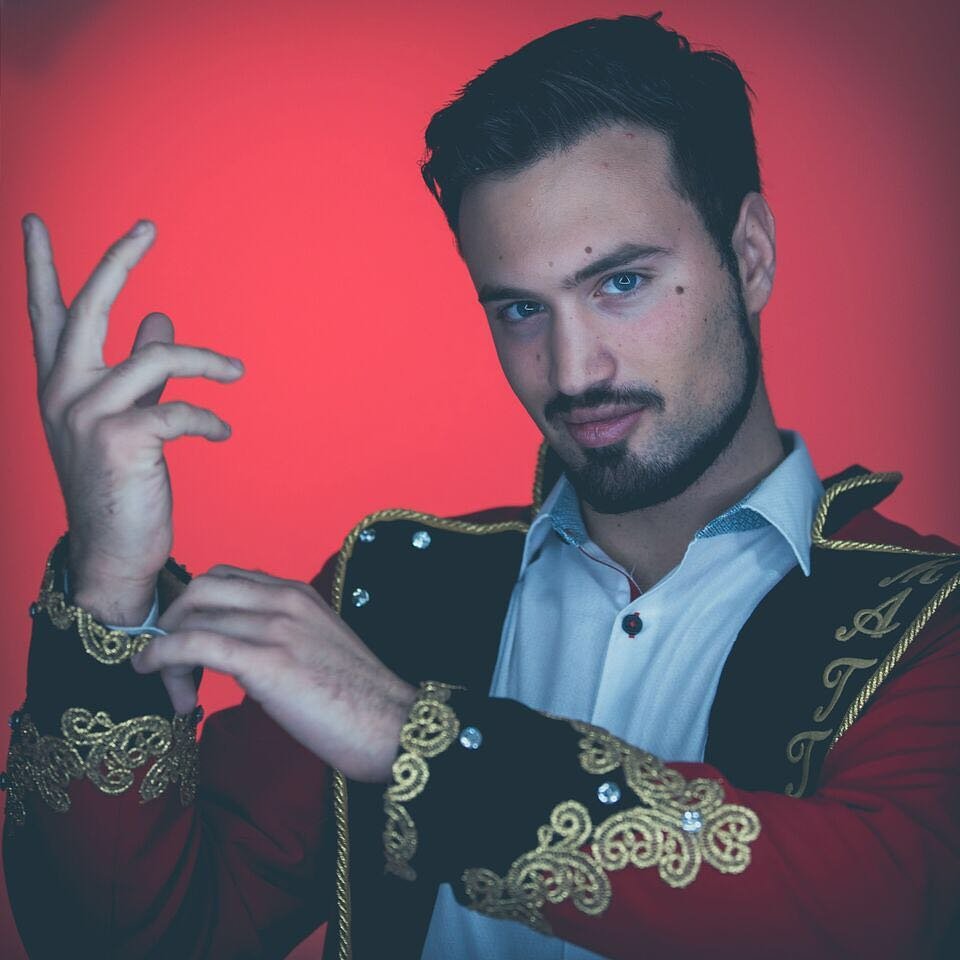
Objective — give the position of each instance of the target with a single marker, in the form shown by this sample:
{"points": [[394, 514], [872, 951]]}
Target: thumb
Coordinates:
{"points": [[154, 328]]}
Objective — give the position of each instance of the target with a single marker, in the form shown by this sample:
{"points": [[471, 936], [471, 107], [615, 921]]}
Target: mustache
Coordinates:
{"points": [[564, 403]]}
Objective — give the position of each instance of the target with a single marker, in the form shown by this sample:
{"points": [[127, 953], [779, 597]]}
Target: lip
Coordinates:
{"points": [[600, 426]]}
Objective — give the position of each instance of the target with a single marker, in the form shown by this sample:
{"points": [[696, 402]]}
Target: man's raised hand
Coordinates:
{"points": [[105, 427]]}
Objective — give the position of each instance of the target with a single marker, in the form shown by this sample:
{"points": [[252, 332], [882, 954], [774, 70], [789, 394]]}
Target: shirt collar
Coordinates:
{"points": [[786, 499]]}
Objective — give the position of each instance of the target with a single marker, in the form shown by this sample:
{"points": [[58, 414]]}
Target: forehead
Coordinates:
{"points": [[612, 186]]}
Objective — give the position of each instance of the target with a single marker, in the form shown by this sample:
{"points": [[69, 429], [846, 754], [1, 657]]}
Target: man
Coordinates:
{"points": [[714, 711]]}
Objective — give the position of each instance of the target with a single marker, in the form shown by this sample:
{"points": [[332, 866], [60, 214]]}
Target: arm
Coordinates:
{"points": [[161, 852], [868, 866]]}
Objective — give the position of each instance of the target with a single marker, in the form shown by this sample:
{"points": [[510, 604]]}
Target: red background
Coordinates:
{"points": [[277, 153]]}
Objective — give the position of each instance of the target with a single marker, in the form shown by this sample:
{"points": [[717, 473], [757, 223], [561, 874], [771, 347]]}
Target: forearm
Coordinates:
{"points": [[113, 825], [866, 866]]}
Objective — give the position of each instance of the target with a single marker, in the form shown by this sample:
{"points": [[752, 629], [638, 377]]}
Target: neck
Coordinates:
{"points": [[650, 542]]}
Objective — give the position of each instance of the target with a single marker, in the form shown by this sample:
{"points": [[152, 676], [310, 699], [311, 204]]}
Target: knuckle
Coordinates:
{"points": [[278, 626], [76, 418], [293, 601]]}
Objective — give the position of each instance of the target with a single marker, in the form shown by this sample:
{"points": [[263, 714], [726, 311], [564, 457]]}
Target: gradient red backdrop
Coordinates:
{"points": [[276, 148]]}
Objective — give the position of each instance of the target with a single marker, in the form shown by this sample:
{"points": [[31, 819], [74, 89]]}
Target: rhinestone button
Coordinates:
{"points": [[691, 821], [608, 792], [368, 535], [197, 714], [632, 624], [34, 609], [360, 597], [470, 738], [421, 539], [16, 718], [3, 780]]}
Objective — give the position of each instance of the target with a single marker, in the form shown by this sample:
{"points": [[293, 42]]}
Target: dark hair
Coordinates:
{"points": [[565, 84]]}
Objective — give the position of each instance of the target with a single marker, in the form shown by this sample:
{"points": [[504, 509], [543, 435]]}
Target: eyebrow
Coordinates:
{"points": [[622, 255]]}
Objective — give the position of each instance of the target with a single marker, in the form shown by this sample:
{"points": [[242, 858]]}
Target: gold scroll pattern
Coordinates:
{"points": [[431, 727], [107, 754], [106, 646], [679, 825], [873, 622]]}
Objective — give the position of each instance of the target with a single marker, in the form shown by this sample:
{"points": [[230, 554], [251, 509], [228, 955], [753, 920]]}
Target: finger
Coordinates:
{"points": [[44, 300], [192, 648], [260, 576], [213, 593], [154, 328], [172, 420], [149, 368], [180, 688], [250, 625], [86, 326]]}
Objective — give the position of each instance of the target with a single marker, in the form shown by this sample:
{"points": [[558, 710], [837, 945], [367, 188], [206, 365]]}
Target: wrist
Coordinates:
{"points": [[116, 601]]}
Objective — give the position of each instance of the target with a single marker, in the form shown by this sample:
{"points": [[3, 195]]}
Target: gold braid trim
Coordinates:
{"points": [[844, 486], [107, 754], [679, 825], [340, 795], [431, 728], [894, 656], [106, 646], [926, 572]]}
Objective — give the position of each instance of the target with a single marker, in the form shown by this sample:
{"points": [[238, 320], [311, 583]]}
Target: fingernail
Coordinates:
{"points": [[237, 362], [27, 226], [140, 228]]}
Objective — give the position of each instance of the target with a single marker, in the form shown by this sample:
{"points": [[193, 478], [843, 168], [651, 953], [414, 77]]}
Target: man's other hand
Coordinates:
{"points": [[105, 427], [294, 656]]}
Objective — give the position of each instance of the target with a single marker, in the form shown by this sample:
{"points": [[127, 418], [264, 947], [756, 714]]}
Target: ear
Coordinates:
{"points": [[755, 245]]}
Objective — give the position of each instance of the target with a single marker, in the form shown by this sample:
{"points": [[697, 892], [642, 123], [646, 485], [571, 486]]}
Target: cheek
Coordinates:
{"points": [[524, 364]]}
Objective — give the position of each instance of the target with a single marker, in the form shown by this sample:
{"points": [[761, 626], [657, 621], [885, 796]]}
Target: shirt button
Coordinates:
{"points": [[632, 624]]}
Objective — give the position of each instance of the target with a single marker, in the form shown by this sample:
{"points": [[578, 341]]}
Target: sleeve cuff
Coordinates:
{"points": [[149, 625], [519, 810]]}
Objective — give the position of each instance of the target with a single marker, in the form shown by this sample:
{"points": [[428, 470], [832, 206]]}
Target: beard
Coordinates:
{"points": [[613, 479]]}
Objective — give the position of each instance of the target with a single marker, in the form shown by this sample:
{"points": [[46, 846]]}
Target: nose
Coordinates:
{"points": [[579, 356]]}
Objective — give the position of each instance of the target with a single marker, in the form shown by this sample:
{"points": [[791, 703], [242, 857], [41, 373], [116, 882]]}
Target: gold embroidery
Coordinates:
{"points": [[553, 872], [431, 728], [106, 646], [874, 621], [835, 677], [679, 825], [107, 754], [929, 572], [799, 750], [893, 657]]}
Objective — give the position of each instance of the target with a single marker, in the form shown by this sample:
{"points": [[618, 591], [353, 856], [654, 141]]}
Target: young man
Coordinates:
{"points": [[714, 711]]}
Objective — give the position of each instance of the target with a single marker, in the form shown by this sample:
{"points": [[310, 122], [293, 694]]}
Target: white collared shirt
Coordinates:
{"points": [[564, 649]]}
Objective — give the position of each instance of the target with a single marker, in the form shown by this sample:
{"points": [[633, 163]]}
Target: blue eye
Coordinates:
{"points": [[621, 283], [519, 310]]}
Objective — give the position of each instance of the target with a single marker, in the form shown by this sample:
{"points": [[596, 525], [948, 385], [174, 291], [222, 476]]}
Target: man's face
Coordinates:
{"points": [[617, 324]]}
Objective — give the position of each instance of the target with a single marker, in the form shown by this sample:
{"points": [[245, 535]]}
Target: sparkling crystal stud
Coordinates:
{"points": [[470, 738], [368, 535], [34, 609], [16, 718], [3, 780], [691, 821], [608, 792], [421, 539], [197, 714], [360, 597]]}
